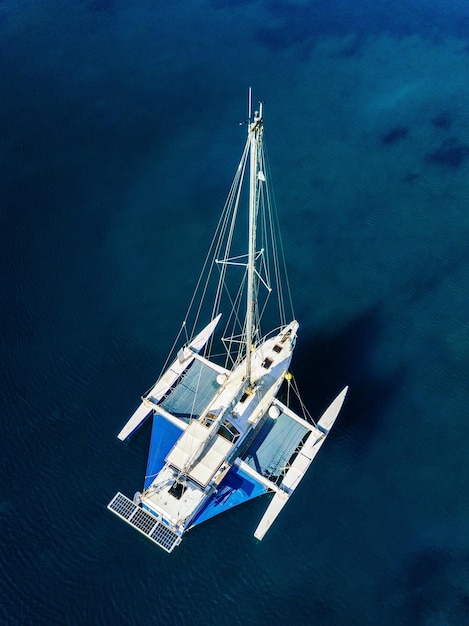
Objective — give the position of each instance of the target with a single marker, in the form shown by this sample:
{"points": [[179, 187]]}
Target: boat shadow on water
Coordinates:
{"points": [[323, 361]]}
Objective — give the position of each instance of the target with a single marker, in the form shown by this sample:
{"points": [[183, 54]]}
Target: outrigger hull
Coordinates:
{"points": [[167, 380], [301, 464]]}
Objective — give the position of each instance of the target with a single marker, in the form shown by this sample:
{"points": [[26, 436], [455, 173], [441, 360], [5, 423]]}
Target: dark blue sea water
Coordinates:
{"points": [[119, 136]]}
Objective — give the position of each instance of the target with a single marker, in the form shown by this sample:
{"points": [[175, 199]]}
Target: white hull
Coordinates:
{"points": [[220, 436]]}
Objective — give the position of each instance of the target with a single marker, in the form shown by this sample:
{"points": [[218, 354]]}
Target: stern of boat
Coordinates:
{"points": [[145, 522]]}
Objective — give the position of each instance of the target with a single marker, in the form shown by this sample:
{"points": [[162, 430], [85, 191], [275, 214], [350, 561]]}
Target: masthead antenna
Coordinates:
{"points": [[249, 104]]}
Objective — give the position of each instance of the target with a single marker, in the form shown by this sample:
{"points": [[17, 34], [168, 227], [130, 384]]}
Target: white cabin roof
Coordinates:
{"points": [[190, 444]]}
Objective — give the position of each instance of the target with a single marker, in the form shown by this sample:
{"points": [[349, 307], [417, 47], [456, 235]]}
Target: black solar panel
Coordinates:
{"points": [[144, 522]]}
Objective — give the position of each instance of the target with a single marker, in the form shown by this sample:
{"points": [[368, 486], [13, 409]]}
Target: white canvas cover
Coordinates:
{"points": [[190, 444]]}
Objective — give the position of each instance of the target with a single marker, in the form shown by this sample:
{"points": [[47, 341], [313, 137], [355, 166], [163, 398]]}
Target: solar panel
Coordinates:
{"points": [[143, 521]]}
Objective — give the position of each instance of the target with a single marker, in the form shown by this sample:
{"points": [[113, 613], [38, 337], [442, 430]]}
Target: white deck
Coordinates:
{"points": [[200, 453], [174, 510], [190, 444]]}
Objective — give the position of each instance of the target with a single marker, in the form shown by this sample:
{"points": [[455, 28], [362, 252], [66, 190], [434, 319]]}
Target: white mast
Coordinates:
{"points": [[255, 134]]}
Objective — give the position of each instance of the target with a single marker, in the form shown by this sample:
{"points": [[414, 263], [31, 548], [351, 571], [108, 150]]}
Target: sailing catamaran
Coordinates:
{"points": [[220, 435]]}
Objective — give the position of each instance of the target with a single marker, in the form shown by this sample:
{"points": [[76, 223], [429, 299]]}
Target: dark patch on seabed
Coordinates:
{"points": [[300, 25], [443, 120], [410, 177], [451, 154], [423, 283], [99, 6], [394, 135], [430, 582], [353, 47]]}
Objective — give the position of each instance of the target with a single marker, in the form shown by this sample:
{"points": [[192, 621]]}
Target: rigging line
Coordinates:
{"points": [[306, 414], [170, 354], [222, 284], [221, 226], [271, 235], [274, 236], [264, 307], [160, 440], [265, 261], [275, 266], [278, 281], [209, 263], [236, 303], [241, 170], [222, 277], [234, 316], [230, 209], [262, 280], [199, 281], [195, 394], [278, 239], [231, 260], [266, 297], [265, 210]]}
